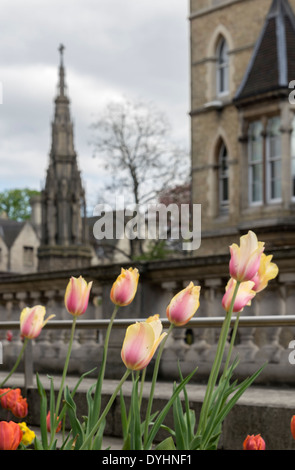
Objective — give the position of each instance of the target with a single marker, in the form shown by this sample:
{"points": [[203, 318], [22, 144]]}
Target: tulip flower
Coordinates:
{"points": [[124, 288], [10, 435], [244, 295], [9, 335], [20, 408], [141, 341], [293, 426], [28, 434], [32, 321], [254, 443], [184, 305], [77, 296], [245, 259], [48, 423], [267, 271]]}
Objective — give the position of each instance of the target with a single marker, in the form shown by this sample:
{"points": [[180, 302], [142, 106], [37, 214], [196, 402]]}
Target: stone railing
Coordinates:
{"points": [[259, 339]]}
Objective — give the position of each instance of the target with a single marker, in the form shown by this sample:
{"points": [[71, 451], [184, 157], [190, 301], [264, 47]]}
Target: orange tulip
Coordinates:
{"points": [[124, 288], [20, 408], [10, 435], [254, 443], [32, 321], [245, 259], [184, 305], [141, 341], [293, 426], [48, 423], [77, 296]]}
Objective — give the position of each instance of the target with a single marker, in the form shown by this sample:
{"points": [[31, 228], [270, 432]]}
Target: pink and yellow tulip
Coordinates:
{"points": [[140, 343], [32, 321], [244, 295], [184, 305], [254, 443], [124, 288], [267, 271], [77, 296], [245, 259]]}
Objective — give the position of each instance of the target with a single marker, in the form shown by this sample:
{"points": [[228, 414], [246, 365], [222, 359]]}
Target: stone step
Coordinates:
{"points": [[261, 410]]}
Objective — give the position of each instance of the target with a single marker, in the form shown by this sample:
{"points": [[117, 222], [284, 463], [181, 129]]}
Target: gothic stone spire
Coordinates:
{"points": [[64, 239]]}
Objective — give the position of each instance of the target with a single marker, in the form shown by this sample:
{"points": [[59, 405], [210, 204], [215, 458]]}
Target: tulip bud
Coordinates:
{"points": [[20, 408], [140, 343], [243, 297], [184, 305], [77, 296], [124, 288], [48, 423], [32, 321], [293, 426], [245, 259], [10, 435], [254, 443], [9, 335]]}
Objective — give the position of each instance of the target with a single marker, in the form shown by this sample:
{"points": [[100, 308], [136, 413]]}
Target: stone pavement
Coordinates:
{"points": [[261, 409]]}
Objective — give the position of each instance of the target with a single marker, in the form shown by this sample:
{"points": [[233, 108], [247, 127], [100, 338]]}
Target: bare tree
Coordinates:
{"points": [[133, 141], [134, 144]]}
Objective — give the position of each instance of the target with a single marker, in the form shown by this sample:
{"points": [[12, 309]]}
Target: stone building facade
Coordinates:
{"points": [[242, 123]]}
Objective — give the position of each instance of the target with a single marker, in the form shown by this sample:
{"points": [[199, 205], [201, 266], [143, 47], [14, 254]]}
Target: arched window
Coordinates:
{"points": [[222, 70], [223, 182]]}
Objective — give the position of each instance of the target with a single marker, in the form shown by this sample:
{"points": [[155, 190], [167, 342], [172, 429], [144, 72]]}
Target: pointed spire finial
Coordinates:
{"points": [[61, 72], [61, 51]]}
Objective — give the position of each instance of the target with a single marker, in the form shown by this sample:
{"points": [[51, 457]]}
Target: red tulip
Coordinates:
{"points": [[254, 443], [293, 426], [48, 423], [10, 435]]}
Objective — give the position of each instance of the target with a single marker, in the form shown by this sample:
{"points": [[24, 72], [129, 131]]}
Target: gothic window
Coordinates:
{"points": [[223, 182], [222, 71], [264, 159]]}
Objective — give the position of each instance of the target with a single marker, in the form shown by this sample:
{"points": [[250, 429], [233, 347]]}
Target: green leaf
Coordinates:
{"points": [[97, 442], [135, 423], [165, 410], [181, 431], [43, 412], [77, 429], [167, 444], [124, 419]]}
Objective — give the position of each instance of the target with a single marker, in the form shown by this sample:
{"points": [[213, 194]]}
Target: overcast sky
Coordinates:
{"points": [[113, 48]]}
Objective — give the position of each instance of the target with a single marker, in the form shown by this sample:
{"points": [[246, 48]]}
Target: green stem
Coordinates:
{"points": [[99, 382], [217, 363], [142, 385], [66, 365], [16, 362], [232, 342], [105, 412], [154, 379]]}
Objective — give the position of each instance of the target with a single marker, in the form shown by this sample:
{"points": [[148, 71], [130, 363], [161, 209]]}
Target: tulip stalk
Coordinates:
{"points": [[95, 428], [153, 384], [16, 362], [217, 363]]}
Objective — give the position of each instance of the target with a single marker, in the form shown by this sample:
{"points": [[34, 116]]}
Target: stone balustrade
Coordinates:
{"points": [[159, 281]]}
